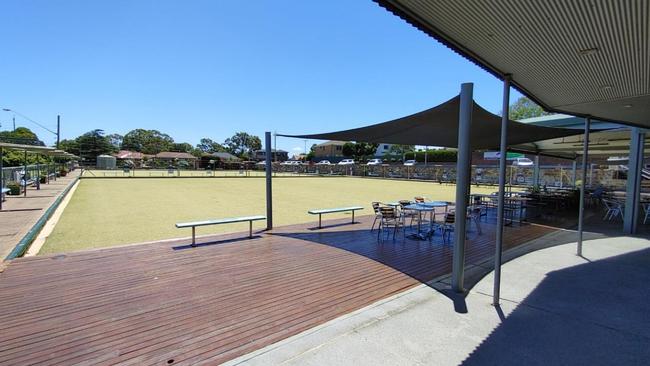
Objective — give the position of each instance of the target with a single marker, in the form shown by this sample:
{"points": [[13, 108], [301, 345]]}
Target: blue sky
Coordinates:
{"points": [[210, 68]]}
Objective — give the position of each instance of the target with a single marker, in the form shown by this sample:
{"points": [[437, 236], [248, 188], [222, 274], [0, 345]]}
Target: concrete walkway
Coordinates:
{"points": [[20, 213], [557, 309]]}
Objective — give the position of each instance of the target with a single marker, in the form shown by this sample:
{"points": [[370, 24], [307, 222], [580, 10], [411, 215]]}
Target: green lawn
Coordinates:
{"points": [[107, 212]]}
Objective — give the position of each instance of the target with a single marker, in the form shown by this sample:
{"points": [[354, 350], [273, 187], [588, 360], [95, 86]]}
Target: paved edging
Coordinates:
{"points": [[27, 240]]}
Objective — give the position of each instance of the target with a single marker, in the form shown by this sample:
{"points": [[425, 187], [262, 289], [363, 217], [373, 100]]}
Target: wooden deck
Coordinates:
{"points": [[167, 303]]}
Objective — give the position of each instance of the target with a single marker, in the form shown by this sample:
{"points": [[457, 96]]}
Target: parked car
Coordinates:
{"points": [[291, 162], [324, 162], [523, 162], [346, 162], [409, 163], [375, 162]]}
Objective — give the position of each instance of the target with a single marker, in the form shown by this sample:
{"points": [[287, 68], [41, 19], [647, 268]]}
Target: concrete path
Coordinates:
{"points": [[20, 213], [557, 309]]}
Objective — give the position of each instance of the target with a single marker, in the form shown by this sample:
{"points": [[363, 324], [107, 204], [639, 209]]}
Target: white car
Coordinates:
{"points": [[409, 163], [375, 162], [291, 162], [324, 162], [346, 162], [523, 162]]}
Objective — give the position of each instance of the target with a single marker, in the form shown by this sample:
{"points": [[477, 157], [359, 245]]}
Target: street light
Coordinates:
{"points": [[14, 118], [58, 124]]}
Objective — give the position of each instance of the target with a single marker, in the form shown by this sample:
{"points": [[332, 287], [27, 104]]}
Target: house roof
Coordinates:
{"points": [[224, 156], [331, 142], [126, 154], [175, 155]]}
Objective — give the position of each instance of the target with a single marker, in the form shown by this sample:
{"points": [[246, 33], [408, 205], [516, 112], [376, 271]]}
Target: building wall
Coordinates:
{"points": [[329, 150]]}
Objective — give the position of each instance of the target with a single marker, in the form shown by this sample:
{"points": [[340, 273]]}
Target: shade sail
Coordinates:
{"points": [[438, 126]]}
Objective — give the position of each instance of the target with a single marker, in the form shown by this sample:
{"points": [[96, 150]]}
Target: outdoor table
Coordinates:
{"points": [[425, 207]]}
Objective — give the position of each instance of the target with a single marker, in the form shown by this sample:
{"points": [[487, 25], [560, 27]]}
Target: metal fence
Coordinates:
{"points": [[552, 176]]}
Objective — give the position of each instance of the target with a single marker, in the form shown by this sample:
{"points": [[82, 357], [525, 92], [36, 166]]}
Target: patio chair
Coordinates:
{"points": [[406, 213], [390, 218], [448, 224], [375, 209], [612, 209]]}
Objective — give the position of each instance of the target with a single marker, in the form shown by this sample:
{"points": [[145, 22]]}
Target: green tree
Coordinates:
{"points": [[242, 144], [525, 108], [92, 144], [401, 150], [116, 140], [147, 141], [206, 145], [22, 135], [181, 147], [348, 149]]}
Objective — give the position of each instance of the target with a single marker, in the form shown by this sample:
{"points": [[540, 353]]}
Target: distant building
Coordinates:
{"points": [[173, 157], [224, 156], [329, 149], [277, 155], [383, 149], [132, 158]]}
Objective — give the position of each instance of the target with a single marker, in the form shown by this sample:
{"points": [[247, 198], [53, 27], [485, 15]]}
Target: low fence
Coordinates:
{"points": [[17, 173], [554, 176]]}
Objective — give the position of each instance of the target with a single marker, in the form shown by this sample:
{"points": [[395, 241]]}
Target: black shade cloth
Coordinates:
{"points": [[438, 126]]}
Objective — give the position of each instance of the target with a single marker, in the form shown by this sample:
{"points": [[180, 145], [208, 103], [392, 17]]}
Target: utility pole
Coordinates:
{"points": [[58, 130], [14, 120]]}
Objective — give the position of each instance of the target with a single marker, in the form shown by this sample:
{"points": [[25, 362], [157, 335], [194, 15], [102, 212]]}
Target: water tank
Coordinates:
{"points": [[106, 162]]}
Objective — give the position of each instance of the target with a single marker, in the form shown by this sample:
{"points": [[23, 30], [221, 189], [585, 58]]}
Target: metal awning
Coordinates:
{"points": [[438, 126], [582, 57], [28, 148]]}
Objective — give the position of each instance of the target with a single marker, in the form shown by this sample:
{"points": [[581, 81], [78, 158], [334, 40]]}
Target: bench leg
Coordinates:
{"points": [[319, 220], [250, 229], [353, 216], [193, 236]]}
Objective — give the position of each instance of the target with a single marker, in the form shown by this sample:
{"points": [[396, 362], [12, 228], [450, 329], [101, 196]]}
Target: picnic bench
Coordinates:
{"points": [[333, 210], [229, 220]]}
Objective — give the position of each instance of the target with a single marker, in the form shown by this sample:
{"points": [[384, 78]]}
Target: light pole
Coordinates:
{"points": [[58, 127]]}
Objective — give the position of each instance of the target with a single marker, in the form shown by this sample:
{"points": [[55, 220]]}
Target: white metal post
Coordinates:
{"points": [[496, 294], [585, 158], [462, 184], [269, 191], [633, 191]]}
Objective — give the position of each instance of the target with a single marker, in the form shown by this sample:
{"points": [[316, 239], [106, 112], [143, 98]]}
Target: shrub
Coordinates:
{"points": [[14, 188], [43, 178], [63, 172]]}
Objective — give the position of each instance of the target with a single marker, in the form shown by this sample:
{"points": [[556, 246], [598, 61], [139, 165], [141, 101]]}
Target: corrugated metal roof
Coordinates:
{"points": [[578, 57]]}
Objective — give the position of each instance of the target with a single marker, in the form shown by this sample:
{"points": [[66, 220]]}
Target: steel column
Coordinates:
{"points": [[25, 175], [2, 178], [536, 171], [503, 154], [581, 207], [574, 169], [269, 191], [463, 166], [633, 191]]}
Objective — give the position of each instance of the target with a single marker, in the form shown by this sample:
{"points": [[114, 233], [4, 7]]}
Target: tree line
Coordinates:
{"points": [[94, 143]]}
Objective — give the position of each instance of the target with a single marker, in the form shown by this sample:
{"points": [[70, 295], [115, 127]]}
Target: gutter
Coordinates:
{"points": [[24, 243]]}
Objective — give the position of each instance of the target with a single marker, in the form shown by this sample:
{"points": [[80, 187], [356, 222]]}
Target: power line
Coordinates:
{"points": [[29, 119]]}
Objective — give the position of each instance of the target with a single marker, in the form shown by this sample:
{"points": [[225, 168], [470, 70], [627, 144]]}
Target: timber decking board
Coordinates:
{"points": [[150, 303]]}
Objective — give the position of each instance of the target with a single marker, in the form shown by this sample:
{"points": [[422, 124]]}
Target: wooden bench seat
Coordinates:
{"points": [[333, 210], [229, 220]]}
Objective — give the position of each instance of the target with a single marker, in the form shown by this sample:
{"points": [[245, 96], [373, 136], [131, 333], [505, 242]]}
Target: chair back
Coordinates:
{"points": [[450, 217], [388, 212], [375, 206], [403, 203], [419, 199]]}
